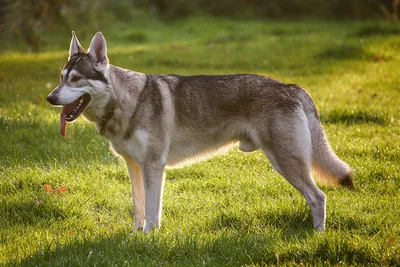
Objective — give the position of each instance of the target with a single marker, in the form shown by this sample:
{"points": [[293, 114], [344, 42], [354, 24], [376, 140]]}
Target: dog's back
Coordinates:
{"points": [[211, 111]]}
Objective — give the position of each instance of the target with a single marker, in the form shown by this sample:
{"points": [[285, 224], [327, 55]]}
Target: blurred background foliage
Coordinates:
{"points": [[25, 20]]}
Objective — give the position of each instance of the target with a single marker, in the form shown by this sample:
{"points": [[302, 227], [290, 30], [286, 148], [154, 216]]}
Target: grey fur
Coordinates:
{"points": [[168, 120]]}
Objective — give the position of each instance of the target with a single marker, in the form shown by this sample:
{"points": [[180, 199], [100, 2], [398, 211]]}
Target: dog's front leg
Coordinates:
{"points": [[135, 174], [153, 177]]}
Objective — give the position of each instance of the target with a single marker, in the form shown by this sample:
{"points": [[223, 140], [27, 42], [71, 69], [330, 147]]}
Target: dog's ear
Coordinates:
{"points": [[98, 49], [75, 47]]}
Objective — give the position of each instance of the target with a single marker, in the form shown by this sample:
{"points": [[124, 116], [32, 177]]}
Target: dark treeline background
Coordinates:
{"points": [[277, 9], [26, 19]]}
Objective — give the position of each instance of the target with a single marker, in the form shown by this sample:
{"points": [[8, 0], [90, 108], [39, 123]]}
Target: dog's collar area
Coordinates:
{"points": [[110, 107]]}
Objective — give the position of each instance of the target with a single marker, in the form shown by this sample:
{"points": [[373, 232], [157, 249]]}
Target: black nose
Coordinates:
{"points": [[52, 98]]}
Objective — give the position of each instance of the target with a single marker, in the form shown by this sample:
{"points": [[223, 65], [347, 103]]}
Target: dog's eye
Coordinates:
{"points": [[75, 79]]}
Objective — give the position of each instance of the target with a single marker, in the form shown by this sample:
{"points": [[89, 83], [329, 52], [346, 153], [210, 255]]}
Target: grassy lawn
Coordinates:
{"points": [[232, 210]]}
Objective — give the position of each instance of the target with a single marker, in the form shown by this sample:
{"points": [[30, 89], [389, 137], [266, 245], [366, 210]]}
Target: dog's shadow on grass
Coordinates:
{"points": [[158, 249], [289, 223], [230, 241]]}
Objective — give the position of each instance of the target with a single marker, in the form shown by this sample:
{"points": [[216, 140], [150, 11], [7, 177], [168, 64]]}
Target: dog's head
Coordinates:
{"points": [[84, 81]]}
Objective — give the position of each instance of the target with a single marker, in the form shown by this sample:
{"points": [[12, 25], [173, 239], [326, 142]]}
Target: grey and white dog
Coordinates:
{"points": [[157, 120]]}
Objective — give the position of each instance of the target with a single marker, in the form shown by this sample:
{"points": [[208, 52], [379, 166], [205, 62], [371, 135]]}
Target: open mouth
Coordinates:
{"points": [[72, 111]]}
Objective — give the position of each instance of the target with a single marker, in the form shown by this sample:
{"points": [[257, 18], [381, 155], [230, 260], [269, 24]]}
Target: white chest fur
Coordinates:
{"points": [[135, 147]]}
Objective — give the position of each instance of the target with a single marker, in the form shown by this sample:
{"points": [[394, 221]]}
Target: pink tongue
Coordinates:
{"points": [[63, 122]]}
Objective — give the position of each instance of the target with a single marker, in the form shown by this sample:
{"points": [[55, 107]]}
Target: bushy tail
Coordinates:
{"points": [[326, 165]]}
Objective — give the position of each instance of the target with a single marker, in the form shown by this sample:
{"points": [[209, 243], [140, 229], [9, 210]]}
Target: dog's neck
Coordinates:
{"points": [[109, 108], [109, 113], [123, 84]]}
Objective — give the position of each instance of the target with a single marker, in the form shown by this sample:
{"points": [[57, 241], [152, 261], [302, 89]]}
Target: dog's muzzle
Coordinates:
{"points": [[52, 98]]}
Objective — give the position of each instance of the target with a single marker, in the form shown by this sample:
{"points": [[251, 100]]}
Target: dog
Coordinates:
{"points": [[154, 121]]}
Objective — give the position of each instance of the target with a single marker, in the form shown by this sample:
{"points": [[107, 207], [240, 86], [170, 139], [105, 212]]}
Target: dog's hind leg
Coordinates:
{"points": [[298, 173], [289, 150], [138, 197]]}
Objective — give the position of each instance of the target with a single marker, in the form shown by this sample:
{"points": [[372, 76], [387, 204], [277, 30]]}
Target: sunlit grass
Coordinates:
{"points": [[229, 211]]}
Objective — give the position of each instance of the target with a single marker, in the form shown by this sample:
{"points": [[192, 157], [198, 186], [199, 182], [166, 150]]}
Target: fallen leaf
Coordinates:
{"points": [[391, 240], [379, 58], [48, 187], [63, 188], [60, 189], [73, 232]]}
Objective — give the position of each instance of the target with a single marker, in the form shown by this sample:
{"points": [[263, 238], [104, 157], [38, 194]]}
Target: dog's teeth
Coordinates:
{"points": [[81, 101]]}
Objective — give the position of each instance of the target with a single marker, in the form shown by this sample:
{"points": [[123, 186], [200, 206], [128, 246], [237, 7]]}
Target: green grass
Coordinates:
{"points": [[232, 210]]}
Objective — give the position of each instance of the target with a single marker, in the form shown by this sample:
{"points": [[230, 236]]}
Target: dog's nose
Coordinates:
{"points": [[52, 98]]}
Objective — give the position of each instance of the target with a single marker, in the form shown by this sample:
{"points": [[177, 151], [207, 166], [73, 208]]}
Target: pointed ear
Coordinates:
{"points": [[98, 49], [75, 47]]}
